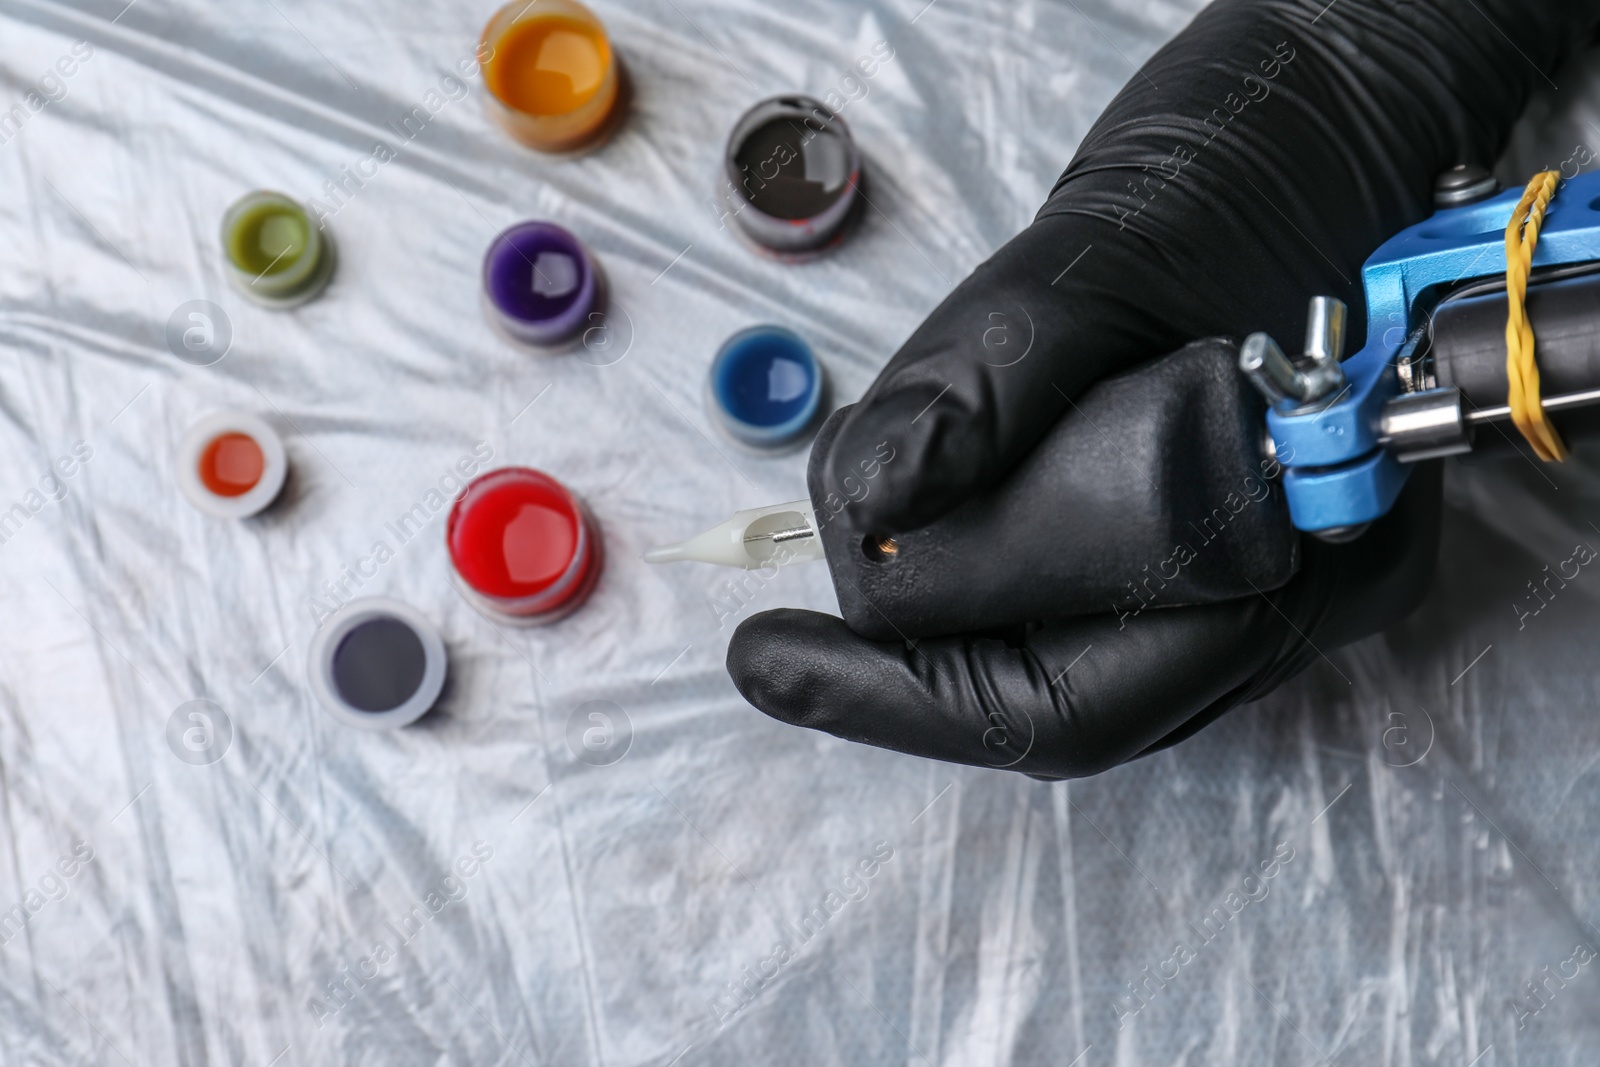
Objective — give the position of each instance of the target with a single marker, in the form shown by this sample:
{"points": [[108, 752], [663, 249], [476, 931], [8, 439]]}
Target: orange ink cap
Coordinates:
{"points": [[232, 464], [553, 79]]}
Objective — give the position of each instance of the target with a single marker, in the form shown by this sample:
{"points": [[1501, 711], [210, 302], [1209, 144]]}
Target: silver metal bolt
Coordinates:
{"points": [[1325, 329], [1416, 426], [1288, 384], [1270, 371]]}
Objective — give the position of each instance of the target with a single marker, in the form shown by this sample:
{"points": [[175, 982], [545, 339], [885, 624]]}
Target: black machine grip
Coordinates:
{"points": [[1150, 492]]}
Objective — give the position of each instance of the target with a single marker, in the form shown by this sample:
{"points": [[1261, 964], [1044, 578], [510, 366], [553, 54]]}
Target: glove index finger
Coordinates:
{"points": [[986, 375]]}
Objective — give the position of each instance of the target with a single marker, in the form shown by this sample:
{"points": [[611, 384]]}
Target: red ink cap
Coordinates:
{"points": [[523, 547]]}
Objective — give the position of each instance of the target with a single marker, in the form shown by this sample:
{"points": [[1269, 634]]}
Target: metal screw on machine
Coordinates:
{"points": [[1464, 183], [1291, 385], [1325, 331]]}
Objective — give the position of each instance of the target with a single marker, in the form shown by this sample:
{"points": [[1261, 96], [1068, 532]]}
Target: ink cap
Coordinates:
{"points": [[541, 287], [765, 389], [377, 664], [273, 252], [231, 465], [524, 549], [553, 80], [792, 176]]}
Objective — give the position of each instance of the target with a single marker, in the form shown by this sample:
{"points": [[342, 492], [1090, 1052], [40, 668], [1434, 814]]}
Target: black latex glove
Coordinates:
{"points": [[1255, 161]]}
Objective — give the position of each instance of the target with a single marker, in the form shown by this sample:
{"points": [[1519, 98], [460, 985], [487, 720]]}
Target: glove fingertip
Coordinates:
{"points": [[771, 657]]}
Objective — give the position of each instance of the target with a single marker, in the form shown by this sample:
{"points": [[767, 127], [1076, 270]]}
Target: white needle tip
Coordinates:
{"points": [[667, 553], [760, 537]]}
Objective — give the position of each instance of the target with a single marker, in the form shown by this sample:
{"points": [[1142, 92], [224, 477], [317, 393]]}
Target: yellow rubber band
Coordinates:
{"points": [[1522, 373]]}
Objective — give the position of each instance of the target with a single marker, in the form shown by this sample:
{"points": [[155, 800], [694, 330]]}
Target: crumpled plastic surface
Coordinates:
{"points": [[1369, 867]]}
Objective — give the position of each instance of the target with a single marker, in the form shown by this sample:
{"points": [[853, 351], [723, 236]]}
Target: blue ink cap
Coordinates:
{"points": [[765, 387]]}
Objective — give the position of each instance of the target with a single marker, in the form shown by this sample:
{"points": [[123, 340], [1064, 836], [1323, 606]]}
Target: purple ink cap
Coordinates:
{"points": [[540, 284]]}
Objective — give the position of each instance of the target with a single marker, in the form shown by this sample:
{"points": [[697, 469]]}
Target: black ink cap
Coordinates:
{"points": [[793, 176], [379, 664]]}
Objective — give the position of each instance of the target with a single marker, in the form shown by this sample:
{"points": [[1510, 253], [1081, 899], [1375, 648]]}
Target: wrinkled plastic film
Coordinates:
{"points": [[593, 851]]}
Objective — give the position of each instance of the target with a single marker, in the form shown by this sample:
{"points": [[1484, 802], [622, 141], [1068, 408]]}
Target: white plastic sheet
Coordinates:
{"points": [[695, 884]]}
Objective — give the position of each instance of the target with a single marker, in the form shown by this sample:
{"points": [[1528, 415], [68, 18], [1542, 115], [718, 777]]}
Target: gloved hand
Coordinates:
{"points": [[1253, 162]]}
